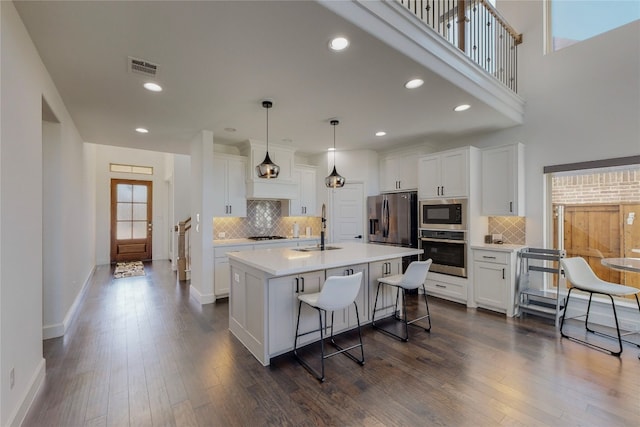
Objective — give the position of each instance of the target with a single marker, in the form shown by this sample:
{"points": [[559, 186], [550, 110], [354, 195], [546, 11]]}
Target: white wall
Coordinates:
{"points": [[583, 103], [202, 218], [24, 82], [109, 154], [179, 197]]}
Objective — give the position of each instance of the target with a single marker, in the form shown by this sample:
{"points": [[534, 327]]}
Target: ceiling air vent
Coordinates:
{"points": [[141, 66]]}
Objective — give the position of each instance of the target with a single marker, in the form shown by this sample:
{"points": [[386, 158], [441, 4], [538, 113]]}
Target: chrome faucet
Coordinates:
{"points": [[323, 227]]}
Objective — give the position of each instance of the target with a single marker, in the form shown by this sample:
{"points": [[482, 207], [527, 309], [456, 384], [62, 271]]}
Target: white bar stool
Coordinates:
{"points": [[412, 279], [582, 278], [338, 293]]}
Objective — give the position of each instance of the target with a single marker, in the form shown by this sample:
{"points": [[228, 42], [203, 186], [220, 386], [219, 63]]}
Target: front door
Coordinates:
{"points": [[131, 213]]}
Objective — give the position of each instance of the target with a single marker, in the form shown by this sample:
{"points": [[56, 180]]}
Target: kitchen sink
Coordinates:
{"points": [[316, 248]]}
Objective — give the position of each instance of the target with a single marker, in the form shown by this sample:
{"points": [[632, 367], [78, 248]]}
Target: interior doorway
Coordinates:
{"points": [[347, 211], [131, 213]]}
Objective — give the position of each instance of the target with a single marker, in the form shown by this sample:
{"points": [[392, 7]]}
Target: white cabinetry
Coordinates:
{"points": [[399, 173], [221, 275], [281, 187], [305, 202], [444, 175], [386, 300], [503, 181], [494, 281], [283, 310], [229, 186], [347, 318], [451, 288]]}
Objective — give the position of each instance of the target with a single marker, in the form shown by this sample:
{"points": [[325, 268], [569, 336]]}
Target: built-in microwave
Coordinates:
{"points": [[443, 214]]}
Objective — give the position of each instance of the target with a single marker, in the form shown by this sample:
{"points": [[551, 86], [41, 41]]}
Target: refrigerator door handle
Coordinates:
{"points": [[385, 218]]}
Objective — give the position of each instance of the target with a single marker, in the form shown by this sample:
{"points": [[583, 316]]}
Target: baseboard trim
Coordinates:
{"points": [[37, 381], [200, 298], [59, 329]]}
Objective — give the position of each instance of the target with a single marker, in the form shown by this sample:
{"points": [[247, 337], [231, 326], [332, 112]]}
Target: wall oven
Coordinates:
{"points": [[443, 214], [447, 249]]}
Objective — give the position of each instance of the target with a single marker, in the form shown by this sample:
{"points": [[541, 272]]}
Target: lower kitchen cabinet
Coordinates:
{"points": [[221, 272], [387, 298], [283, 309], [347, 318], [494, 281], [451, 288]]}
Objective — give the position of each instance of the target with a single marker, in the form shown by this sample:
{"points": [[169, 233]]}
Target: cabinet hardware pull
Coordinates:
{"points": [[503, 274], [297, 285], [488, 257], [302, 280], [510, 206], [230, 209], [441, 286], [442, 191]]}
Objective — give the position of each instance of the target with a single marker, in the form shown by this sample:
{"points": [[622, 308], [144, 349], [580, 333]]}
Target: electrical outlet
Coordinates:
{"points": [[222, 234], [12, 378]]}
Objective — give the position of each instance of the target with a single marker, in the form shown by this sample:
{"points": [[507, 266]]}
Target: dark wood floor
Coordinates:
{"points": [[141, 352]]}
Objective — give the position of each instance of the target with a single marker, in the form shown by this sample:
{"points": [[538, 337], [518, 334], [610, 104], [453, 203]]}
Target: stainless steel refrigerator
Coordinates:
{"points": [[393, 219]]}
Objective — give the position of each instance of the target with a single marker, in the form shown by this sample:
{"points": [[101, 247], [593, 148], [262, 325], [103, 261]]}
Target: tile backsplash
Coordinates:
{"points": [[264, 218], [512, 228]]}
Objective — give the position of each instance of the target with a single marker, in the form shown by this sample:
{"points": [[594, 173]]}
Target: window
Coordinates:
{"points": [[144, 170], [572, 21], [596, 214]]}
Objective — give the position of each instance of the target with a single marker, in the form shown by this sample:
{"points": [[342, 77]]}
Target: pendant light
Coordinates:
{"points": [[267, 169], [334, 180]]}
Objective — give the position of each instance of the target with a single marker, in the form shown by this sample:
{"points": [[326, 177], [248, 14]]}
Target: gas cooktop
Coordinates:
{"points": [[266, 237]]}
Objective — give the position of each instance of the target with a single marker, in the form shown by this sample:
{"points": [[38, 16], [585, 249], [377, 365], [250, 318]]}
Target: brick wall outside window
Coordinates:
{"points": [[616, 186]]}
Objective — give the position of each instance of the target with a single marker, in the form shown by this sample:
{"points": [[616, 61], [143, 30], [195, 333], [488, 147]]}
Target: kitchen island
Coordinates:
{"points": [[265, 284]]}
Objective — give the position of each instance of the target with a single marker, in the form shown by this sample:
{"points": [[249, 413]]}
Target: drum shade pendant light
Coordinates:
{"points": [[334, 180], [267, 169]]}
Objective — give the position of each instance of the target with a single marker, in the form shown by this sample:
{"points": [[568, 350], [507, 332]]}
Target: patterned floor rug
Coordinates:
{"points": [[128, 269]]}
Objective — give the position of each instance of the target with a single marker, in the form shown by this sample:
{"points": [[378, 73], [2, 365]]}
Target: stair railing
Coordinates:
{"points": [[476, 28]]}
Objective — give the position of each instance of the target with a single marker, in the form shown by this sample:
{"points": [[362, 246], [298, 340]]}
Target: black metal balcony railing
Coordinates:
{"points": [[477, 29]]}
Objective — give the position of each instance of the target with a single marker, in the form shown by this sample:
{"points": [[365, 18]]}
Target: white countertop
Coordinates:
{"points": [[499, 247], [286, 261], [234, 242]]}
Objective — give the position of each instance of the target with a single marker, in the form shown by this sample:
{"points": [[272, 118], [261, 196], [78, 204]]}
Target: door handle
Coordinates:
{"points": [[359, 236]]}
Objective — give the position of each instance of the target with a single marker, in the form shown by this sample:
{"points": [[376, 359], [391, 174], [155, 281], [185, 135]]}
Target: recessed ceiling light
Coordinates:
{"points": [[230, 129], [331, 149], [381, 133], [414, 83], [153, 87], [142, 130], [338, 43], [462, 107]]}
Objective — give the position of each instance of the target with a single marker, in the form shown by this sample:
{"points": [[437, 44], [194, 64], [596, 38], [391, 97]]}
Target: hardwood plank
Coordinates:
{"points": [[142, 353]]}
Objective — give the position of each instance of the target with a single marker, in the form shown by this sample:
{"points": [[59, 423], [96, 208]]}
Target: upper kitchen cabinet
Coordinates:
{"points": [[229, 185], [282, 187], [398, 173], [305, 202], [503, 181], [444, 175]]}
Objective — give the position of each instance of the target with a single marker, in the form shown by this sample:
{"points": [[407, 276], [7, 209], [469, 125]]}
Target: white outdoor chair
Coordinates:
{"points": [[338, 293], [412, 279], [582, 278]]}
